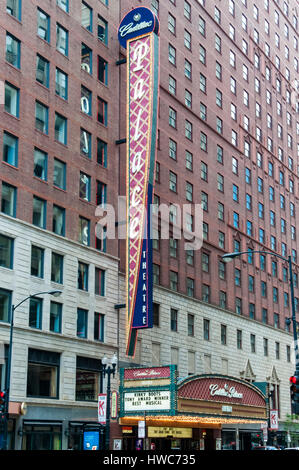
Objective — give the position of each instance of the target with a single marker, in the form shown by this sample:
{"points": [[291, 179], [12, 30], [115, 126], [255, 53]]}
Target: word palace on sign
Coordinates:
{"points": [[137, 33]]}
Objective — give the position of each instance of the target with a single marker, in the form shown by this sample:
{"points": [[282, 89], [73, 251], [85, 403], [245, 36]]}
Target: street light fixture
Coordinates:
{"points": [[230, 256], [55, 293], [108, 368]]}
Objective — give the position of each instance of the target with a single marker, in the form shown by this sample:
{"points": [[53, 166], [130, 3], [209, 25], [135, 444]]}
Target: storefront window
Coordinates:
{"points": [[229, 440], [87, 379], [43, 373], [41, 437]]}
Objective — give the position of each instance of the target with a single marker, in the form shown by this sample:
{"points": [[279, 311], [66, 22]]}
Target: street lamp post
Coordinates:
{"points": [[230, 256], [108, 368], [8, 369]]}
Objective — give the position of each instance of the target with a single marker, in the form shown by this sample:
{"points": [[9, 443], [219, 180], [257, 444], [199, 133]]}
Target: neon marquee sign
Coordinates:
{"points": [[138, 34]]}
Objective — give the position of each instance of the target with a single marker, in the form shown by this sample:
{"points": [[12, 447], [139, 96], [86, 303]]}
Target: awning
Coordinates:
{"points": [[187, 421]]}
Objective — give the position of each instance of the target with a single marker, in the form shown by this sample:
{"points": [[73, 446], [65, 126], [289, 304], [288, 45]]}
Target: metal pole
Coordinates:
{"points": [[107, 436], [294, 316], [7, 379]]}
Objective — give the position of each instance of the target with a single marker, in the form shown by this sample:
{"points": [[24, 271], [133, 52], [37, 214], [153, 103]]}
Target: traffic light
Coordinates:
{"points": [[3, 397], [294, 391]]}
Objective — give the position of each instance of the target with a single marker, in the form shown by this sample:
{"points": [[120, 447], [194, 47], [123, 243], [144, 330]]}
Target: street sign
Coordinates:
{"points": [[102, 407]]}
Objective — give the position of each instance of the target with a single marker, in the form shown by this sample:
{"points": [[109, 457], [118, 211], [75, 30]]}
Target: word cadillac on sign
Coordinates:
{"points": [[226, 391]]}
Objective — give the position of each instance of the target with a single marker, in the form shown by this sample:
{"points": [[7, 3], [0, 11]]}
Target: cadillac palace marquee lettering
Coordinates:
{"points": [[138, 34]]}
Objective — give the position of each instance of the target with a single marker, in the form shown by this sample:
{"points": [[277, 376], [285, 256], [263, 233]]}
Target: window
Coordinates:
{"points": [[63, 4], [221, 269], [172, 181], [102, 70], [60, 129], [39, 212], [13, 7], [237, 277], [190, 324], [204, 171], [222, 299], [187, 39], [42, 70], [100, 276], [172, 117], [57, 268], [37, 261], [171, 54], [188, 69], [171, 23], [43, 25], [43, 373], [252, 343], [202, 83], [188, 99], [8, 199], [190, 287], [11, 103], [218, 43], [202, 26], [220, 211], [206, 329], [239, 339], [5, 305], [102, 111], [154, 6], [205, 262], [62, 40], [223, 335], [86, 58], [156, 314], [55, 317], [84, 231], [189, 161], [35, 313], [10, 149], [40, 164], [206, 293], [99, 323], [265, 344], [13, 50], [58, 220], [59, 174], [102, 153], [173, 277], [83, 269], [84, 187], [82, 317], [102, 30], [86, 101], [86, 16], [6, 251], [61, 84], [218, 71], [188, 129], [41, 117], [85, 143], [87, 379], [202, 54], [101, 194], [173, 319]]}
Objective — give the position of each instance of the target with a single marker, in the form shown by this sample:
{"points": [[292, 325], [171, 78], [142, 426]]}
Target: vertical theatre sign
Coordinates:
{"points": [[138, 33]]}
